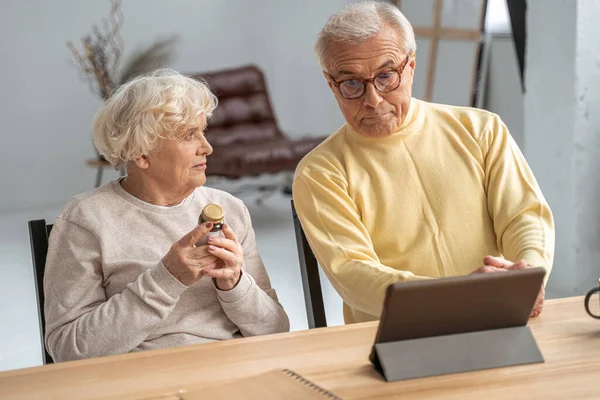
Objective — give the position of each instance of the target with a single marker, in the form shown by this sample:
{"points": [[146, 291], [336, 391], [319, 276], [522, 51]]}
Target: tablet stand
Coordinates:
{"points": [[462, 352]]}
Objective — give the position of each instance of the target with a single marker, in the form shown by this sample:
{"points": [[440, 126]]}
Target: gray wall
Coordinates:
{"points": [[587, 146], [562, 141], [46, 111], [504, 95]]}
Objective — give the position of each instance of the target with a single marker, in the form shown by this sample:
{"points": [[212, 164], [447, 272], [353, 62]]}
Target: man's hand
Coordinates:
{"points": [[502, 263], [185, 261], [539, 303], [487, 269]]}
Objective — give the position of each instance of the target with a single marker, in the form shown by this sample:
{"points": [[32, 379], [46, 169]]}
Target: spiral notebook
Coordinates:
{"points": [[276, 385]]}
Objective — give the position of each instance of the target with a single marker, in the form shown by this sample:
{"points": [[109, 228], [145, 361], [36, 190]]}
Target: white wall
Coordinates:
{"points": [[562, 120], [46, 111]]}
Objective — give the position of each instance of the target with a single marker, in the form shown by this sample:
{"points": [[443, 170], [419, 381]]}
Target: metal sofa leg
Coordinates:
{"points": [[99, 176]]}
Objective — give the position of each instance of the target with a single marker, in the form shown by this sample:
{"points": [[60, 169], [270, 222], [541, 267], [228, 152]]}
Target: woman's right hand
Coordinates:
{"points": [[185, 261]]}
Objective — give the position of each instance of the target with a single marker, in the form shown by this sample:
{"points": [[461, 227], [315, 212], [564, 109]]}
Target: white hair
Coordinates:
{"points": [[361, 21], [162, 105]]}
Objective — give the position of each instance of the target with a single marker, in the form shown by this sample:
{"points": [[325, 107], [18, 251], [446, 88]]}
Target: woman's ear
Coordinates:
{"points": [[142, 162]]}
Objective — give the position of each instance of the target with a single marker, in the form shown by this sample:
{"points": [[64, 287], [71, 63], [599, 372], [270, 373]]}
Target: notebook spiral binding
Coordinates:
{"points": [[310, 384]]}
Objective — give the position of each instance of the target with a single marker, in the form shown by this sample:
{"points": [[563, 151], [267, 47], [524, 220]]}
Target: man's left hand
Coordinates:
{"points": [[500, 262]]}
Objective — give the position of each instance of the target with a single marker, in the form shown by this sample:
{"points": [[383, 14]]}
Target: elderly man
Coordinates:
{"points": [[406, 189]]}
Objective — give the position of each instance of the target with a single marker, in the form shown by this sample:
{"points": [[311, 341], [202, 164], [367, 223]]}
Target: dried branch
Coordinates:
{"points": [[148, 59], [98, 61], [101, 52], [115, 22]]}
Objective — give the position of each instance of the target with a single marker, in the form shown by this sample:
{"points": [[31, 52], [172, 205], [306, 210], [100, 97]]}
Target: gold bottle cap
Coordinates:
{"points": [[213, 213]]}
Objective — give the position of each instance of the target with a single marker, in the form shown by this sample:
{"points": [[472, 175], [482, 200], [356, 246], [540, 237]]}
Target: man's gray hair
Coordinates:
{"points": [[361, 21]]}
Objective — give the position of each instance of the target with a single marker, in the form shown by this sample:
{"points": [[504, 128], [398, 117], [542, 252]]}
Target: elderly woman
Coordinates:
{"points": [[123, 271]]}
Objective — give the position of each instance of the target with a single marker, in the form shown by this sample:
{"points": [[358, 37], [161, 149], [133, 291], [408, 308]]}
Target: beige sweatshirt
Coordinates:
{"points": [[107, 291]]}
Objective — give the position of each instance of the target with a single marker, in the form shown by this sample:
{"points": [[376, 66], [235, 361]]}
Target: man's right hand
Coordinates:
{"points": [[185, 261], [500, 262], [496, 264], [485, 269]]}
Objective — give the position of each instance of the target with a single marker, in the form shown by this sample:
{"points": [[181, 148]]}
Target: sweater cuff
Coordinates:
{"points": [[534, 259], [166, 281], [238, 292]]}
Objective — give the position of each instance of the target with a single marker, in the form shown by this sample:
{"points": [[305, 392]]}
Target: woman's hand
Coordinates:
{"points": [[185, 261], [227, 249]]}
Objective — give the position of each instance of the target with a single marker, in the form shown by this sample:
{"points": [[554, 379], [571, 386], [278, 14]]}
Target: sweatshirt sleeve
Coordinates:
{"points": [[522, 219], [341, 242], [252, 305], [80, 321]]}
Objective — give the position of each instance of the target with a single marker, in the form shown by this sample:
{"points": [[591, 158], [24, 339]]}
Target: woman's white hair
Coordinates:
{"points": [[361, 21], [162, 105]]}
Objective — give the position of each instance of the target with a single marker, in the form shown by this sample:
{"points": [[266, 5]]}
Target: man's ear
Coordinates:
{"points": [[142, 162], [331, 86], [413, 63]]}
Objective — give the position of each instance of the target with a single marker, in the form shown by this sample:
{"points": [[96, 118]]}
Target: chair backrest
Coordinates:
{"points": [[244, 114], [38, 237], [311, 282]]}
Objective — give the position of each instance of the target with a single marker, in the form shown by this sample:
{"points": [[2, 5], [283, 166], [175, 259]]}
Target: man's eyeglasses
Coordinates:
{"points": [[386, 81]]}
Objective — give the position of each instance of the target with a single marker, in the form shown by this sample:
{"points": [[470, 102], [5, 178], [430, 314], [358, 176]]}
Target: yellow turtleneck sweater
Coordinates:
{"points": [[428, 201]]}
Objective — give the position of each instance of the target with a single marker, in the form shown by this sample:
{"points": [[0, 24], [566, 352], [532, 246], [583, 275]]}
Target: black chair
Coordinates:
{"points": [[311, 282], [38, 236]]}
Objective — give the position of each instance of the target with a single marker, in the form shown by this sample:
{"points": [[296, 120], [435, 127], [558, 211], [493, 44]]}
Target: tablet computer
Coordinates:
{"points": [[461, 304]]}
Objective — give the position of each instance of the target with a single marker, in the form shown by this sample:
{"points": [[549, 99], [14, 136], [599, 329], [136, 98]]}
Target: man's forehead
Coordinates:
{"points": [[370, 54], [356, 62]]}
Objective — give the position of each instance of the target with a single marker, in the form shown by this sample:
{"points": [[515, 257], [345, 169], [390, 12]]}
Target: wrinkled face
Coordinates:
{"points": [[180, 165], [374, 114]]}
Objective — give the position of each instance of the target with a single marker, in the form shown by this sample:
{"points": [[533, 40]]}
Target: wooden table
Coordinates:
{"points": [[335, 358]]}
